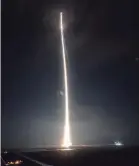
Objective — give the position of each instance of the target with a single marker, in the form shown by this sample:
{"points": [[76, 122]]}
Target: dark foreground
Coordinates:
{"points": [[109, 156]]}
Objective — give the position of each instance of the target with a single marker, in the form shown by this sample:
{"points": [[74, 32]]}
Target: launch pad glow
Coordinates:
{"points": [[67, 137]]}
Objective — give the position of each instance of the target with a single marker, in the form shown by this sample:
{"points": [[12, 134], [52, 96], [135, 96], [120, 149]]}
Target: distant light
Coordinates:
{"points": [[11, 163], [118, 143], [5, 152], [18, 161]]}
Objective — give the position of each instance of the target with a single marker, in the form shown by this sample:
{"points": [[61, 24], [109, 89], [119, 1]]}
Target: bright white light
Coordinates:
{"points": [[67, 139], [118, 143], [5, 152]]}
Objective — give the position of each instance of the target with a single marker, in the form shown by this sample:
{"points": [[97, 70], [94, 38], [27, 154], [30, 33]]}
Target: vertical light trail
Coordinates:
{"points": [[66, 139]]}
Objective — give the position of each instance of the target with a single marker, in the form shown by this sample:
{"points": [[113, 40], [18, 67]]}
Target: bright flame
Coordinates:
{"points": [[67, 139]]}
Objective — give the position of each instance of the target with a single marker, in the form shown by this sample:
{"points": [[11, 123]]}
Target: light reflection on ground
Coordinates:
{"points": [[65, 149]]}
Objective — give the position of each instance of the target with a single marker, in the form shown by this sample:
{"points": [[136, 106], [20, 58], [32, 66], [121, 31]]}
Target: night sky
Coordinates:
{"points": [[102, 40]]}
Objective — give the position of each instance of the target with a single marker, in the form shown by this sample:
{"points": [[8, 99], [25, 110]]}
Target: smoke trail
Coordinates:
{"points": [[67, 141]]}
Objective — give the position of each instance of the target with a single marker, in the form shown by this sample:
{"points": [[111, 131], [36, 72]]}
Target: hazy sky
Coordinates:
{"points": [[102, 45]]}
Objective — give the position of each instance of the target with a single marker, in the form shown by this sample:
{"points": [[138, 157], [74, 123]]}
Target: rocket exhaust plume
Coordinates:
{"points": [[66, 139]]}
